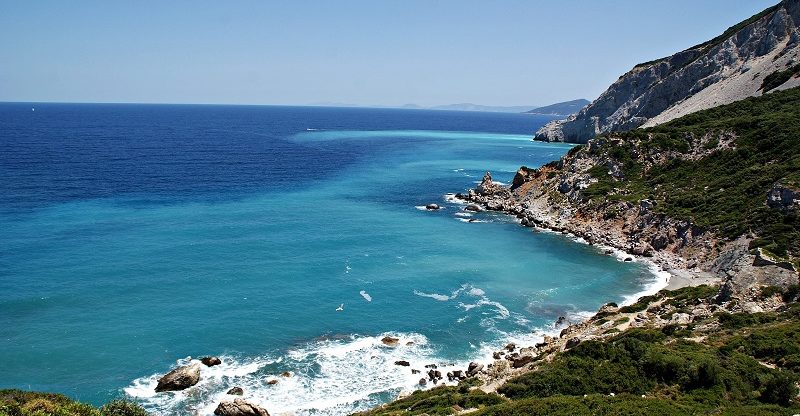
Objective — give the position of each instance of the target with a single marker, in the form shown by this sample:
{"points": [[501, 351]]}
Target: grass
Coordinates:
{"points": [[27, 403]]}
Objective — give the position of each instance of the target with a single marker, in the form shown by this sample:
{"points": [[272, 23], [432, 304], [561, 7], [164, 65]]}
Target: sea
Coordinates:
{"points": [[136, 238]]}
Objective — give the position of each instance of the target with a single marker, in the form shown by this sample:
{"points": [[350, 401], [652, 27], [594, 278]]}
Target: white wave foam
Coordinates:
{"points": [[365, 295], [452, 199], [471, 220], [329, 377], [463, 214], [441, 298], [474, 291], [660, 281]]}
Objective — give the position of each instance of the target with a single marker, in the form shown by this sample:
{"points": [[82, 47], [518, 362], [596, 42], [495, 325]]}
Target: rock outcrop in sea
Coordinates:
{"points": [[180, 378], [239, 407], [754, 57]]}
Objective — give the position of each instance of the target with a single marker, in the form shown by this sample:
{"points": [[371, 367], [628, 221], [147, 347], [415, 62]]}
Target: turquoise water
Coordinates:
{"points": [[136, 237]]}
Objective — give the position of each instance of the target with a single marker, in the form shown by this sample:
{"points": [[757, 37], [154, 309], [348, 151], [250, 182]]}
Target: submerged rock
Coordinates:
{"points": [[180, 378], [473, 208], [403, 363], [239, 407], [432, 207]]}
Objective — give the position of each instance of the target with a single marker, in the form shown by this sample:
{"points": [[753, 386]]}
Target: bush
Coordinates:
{"points": [[779, 389], [121, 407]]}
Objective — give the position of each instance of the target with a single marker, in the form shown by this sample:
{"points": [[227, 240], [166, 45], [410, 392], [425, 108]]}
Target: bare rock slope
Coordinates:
{"points": [[728, 68]]}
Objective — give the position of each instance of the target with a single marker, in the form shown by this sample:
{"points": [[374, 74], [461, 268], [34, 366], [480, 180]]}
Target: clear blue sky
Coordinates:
{"points": [[366, 52]]}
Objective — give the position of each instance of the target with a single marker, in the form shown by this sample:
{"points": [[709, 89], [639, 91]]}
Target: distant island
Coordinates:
{"points": [[562, 109]]}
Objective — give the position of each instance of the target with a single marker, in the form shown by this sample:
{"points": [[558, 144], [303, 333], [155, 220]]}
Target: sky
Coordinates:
{"points": [[365, 52]]}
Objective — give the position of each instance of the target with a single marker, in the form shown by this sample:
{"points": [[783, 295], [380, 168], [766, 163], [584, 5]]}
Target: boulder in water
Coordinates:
{"points": [[403, 363], [390, 341], [211, 361], [180, 378], [236, 391], [239, 407], [432, 207]]}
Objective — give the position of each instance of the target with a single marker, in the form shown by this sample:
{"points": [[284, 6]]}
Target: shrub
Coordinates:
{"points": [[121, 407]]}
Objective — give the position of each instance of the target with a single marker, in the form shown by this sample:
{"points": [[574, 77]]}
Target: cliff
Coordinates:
{"points": [[716, 193], [745, 61]]}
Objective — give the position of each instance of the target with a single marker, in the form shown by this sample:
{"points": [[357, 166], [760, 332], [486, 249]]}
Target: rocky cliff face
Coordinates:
{"points": [[728, 68]]}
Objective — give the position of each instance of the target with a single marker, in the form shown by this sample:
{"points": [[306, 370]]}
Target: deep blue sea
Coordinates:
{"points": [[137, 237]]}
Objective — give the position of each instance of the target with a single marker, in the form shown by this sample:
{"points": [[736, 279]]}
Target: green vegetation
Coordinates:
{"points": [[726, 189], [439, 401], [640, 304], [777, 78], [750, 367], [26, 403]]}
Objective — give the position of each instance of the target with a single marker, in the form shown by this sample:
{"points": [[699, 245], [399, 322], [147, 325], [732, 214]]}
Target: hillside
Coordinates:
{"points": [[712, 196], [715, 362], [560, 109], [717, 191], [752, 57]]}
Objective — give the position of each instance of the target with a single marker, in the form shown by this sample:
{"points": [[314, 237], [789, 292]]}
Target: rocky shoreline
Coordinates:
{"points": [[692, 257]]}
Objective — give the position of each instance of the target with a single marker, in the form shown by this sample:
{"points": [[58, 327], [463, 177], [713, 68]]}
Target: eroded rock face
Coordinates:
{"points": [[705, 76], [239, 407], [487, 186], [522, 175], [180, 378]]}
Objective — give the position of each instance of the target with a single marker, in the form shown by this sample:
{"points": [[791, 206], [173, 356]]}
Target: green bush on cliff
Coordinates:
{"points": [[643, 362], [439, 401], [649, 372], [27, 403], [726, 190], [777, 78], [122, 407]]}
